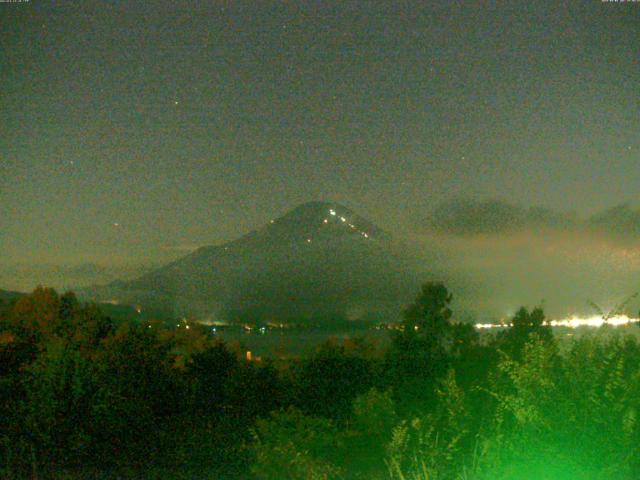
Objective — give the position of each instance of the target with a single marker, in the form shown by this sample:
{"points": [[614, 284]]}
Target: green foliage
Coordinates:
{"points": [[374, 415], [422, 351], [370, 430], [430, 313], [82, 397], [293, 446], [524, 324], [329, 380], [59, 387], [567, 417], [432, 446]]}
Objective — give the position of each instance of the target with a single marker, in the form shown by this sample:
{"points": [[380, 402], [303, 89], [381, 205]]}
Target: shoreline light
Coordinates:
{"points": [[573, 322]]}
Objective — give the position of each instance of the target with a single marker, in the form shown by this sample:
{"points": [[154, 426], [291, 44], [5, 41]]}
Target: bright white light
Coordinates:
{"points": [[326, 221], [594, 321], [575, 322], [483, 326], [343, 219], [332, 212]]}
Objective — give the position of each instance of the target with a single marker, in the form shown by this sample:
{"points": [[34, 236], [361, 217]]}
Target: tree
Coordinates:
{"points": [[138, 393], [208, 373], [36, 316], [293, 446], [523, 325], [329, 380], [420, 353], [59, 388]]}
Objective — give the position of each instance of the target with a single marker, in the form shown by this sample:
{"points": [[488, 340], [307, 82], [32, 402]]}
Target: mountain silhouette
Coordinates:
{"points": [[7, 296], [319, 260]]}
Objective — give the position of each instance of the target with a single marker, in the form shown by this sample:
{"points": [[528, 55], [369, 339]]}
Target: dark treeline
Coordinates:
{"points": [[85, 396]]}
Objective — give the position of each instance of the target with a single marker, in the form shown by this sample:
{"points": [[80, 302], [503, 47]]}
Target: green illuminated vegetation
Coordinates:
{"points": [[86, 396]]}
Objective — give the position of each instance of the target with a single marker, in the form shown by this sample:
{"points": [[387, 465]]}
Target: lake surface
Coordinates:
{"points": [[283, 343]]}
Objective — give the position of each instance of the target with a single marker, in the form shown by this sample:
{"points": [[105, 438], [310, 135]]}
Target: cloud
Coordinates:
{"points": [[497, 256], [621, 220], [472, 217], [465, 217]]}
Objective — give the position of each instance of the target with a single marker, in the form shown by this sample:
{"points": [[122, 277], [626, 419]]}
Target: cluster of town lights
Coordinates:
{"points": [[575, 322]]}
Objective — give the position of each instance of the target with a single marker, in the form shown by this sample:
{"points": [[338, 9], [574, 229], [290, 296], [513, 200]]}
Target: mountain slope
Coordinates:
{"points": [[7, 296], [319, 259]]}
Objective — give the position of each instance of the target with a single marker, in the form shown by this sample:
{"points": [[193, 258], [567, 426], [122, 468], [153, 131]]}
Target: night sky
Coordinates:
{"points": [[133, 131]]}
